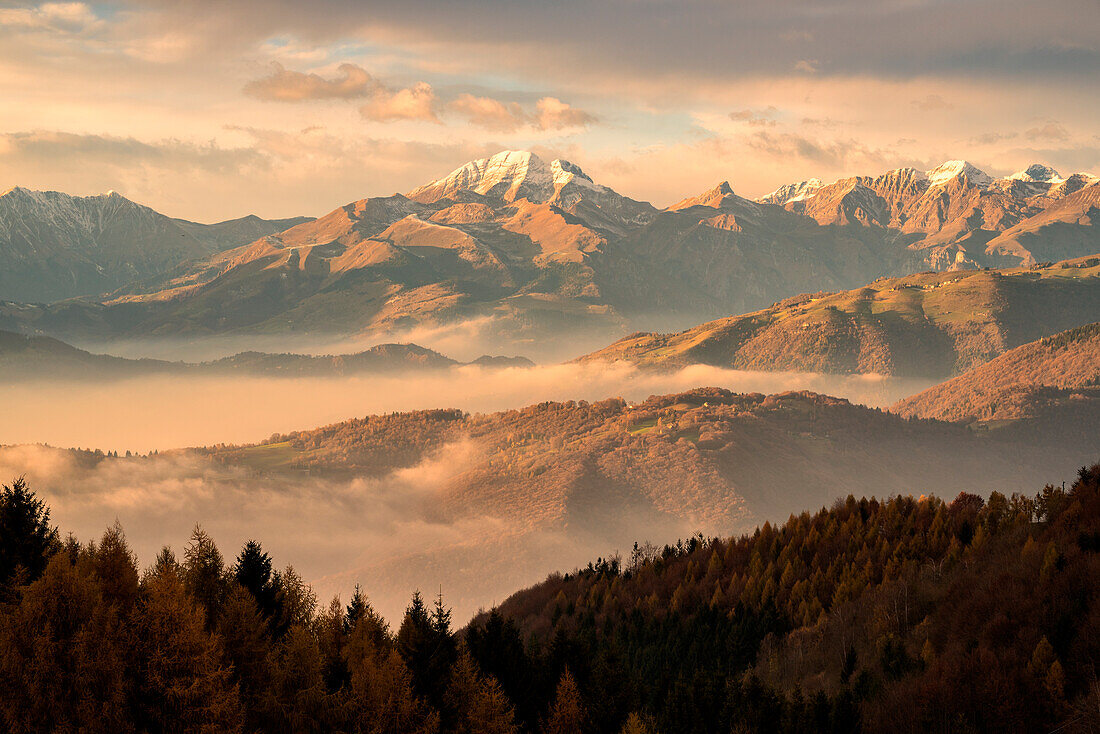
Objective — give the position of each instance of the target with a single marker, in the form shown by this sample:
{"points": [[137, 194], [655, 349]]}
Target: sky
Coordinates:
{"points": [[212, 110]]}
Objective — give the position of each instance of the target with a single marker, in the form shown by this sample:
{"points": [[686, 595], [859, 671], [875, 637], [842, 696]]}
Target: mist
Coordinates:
{"points": [[464, 341], [384, 533], [158, 413]]}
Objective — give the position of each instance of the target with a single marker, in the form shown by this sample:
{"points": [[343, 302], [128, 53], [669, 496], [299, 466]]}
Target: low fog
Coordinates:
{"points": [[148, 413], [464, 341], [383, 533]]}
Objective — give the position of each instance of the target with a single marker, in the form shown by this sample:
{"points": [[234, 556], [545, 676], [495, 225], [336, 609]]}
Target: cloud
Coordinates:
{"points": [[47, 148], [831, 153], [415, 103], [931, 103], [992, 138], [489, 113], [806, 66], [1050, 131], [58, 17], [756, 119], [550, 113], [284, 85], [284, 172], [826, 122], [384, 104], [553, 114]]}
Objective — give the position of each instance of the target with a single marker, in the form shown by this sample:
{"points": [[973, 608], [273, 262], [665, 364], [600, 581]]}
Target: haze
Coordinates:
{"points": [[160, 413]]}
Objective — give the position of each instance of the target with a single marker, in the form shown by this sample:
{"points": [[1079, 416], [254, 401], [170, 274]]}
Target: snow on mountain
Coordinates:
{"points": [[951, 170], [1037, 173], [508, 175], [792, 192]]}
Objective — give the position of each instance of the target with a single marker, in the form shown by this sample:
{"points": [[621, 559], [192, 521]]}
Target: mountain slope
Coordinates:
{"points": [[930, 324], [549, 484], [875, 615], [1054, 374], [955, 215], [55, 246]]}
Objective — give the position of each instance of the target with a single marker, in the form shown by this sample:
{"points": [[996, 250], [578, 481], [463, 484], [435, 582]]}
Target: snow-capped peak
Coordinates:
{"points": [[793, 192], [508, 175], [1038, 173], [565, 172], [951, 170]]}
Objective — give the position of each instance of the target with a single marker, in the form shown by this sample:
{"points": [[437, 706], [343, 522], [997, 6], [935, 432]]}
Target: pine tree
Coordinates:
{"points": [[356, 609], [427, 646], [253, 572], [62, 658], [566, 715], [115, 566], [26, 538], [182, 683], [381, 695], [476, 705], [246, 642], [204, 574]]}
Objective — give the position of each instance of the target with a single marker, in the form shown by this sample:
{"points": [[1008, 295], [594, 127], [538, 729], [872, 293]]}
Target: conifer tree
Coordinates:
{"points": [[253, 572], [182, 684], [475, 704], [27, 539], [204, 574], [566, 715], [62, 657]]}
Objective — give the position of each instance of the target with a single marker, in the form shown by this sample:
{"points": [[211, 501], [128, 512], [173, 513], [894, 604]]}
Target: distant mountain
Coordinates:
{"points": [[38, 357], [956, 215], [542, 254], [1050, 382], [55, 246], [928, 325]]}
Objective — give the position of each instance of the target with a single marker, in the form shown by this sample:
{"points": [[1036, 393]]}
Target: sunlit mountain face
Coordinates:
{"points": [[531, 367]]}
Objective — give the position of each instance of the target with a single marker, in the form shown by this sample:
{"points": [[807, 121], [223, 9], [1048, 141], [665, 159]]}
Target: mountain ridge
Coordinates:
{"points": [[538, 248]]}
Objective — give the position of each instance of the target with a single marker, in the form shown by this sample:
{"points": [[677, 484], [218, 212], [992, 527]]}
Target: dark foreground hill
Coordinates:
{"points": [[904, 615]]}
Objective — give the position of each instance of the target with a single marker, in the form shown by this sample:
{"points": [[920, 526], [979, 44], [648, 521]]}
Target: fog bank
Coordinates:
{"points": [[148, 413]]}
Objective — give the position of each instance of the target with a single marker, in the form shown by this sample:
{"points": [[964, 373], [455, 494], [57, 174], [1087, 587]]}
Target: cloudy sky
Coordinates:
{"points": [[213, 109]]}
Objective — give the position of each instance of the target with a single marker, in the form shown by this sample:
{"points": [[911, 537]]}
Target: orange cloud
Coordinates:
{"points": [[550, 113], [284, 85]]}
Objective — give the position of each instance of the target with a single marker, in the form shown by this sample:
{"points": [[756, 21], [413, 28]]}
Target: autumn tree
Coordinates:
{"points": [[182, 684]]}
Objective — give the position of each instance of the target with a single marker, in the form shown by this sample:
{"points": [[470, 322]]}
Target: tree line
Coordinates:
{"points": [[902, 615]]}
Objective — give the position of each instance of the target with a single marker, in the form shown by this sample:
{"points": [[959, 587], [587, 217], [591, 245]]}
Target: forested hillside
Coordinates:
{"points": [[907, 614], [709, 455], [1029, 380]]}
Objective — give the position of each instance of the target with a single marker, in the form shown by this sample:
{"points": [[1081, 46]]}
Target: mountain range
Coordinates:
{"points": [[932, 324], [55, 246], [540, 251], [24, 357]]}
